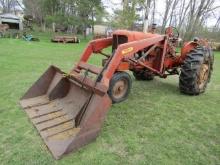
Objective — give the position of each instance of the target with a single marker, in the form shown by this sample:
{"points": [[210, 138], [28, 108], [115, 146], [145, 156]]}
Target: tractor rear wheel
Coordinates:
{"points": [[143, 75], [196, 71], [119, 87]]}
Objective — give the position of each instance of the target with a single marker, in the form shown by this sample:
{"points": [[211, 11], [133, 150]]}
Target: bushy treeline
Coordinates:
{"points": [[75, 14]]}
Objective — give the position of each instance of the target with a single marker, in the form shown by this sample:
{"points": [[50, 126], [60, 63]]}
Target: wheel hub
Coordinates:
{"points": [[120, 88], [203, 75]]}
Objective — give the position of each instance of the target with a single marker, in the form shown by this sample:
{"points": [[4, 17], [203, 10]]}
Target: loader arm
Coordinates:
{"points": [[95, 46], [127, 51]]}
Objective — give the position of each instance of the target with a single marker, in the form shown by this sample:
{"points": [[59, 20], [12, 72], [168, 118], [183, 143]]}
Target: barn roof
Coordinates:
{"points": [[9, 16]]}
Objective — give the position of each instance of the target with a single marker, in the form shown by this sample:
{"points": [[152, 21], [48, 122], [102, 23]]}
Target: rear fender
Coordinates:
{"points": [[188, 46]]}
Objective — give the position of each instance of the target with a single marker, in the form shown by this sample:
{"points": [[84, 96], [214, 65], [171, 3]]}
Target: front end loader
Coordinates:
{"points": [[68, 109]]}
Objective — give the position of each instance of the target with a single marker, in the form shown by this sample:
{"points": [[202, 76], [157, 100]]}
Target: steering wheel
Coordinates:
{"points": [[172, 32]]}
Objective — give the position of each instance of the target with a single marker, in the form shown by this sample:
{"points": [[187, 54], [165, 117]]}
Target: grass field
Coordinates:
{"points": [[156, 125]]}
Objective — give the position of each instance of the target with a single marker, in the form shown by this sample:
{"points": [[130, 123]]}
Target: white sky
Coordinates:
{"points": [[111, 5]]}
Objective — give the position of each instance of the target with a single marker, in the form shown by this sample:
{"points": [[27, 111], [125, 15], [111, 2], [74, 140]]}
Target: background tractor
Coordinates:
{"points": [[68, 109]]}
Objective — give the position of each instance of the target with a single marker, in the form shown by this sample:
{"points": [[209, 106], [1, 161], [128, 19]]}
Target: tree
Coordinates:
{"points": [[86, 12], [166, 14], [197, 14], [172, 14], [66, 13], [34, 8], [217, 24], [8, 5], [153, 12], [126, 17]]}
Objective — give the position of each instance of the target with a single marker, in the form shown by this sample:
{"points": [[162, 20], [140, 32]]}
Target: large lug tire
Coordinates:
{"points": [[119, 87], [143, 75], [196, 71]]}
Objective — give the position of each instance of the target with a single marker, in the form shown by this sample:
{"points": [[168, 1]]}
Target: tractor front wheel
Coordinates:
{"points": [[196, 71], [119, 87]]}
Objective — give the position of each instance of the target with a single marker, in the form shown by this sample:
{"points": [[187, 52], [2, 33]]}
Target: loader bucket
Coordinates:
{"points": [[67, 114]]}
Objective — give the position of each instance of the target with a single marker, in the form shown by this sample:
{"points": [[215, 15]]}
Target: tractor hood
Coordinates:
{"points": [[134, 35]]}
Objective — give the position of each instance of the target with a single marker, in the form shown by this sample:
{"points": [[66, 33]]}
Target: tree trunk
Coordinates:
{"points": [[168, 4], [54, 27], [172, 11], [153, 12], [146, 15], [84, 31], [43, 26], [93, 22]]}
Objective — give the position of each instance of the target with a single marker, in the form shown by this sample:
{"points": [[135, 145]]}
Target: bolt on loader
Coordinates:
{"points": [[68, 109]]}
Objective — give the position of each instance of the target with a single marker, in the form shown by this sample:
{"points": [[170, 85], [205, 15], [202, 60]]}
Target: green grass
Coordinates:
{"points": [[156, 125]]}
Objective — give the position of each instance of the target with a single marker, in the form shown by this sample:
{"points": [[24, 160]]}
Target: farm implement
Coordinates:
{"points": [[68, 109], [65, 39]]}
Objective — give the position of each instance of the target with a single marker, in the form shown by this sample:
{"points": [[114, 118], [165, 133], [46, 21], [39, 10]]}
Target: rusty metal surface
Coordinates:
{"points": [[65, 39], [53, 104], [203, 75], [91, 68]]}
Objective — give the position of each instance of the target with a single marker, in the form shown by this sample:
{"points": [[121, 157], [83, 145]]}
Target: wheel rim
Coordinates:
{"points": [[120, 88], [203, 75]]}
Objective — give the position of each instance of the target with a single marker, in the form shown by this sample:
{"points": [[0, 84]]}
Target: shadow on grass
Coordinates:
{"points": [[164, 86]]}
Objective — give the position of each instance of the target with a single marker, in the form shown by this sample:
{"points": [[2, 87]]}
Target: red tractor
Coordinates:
{"points": [[68, 109], [149, 55]]}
